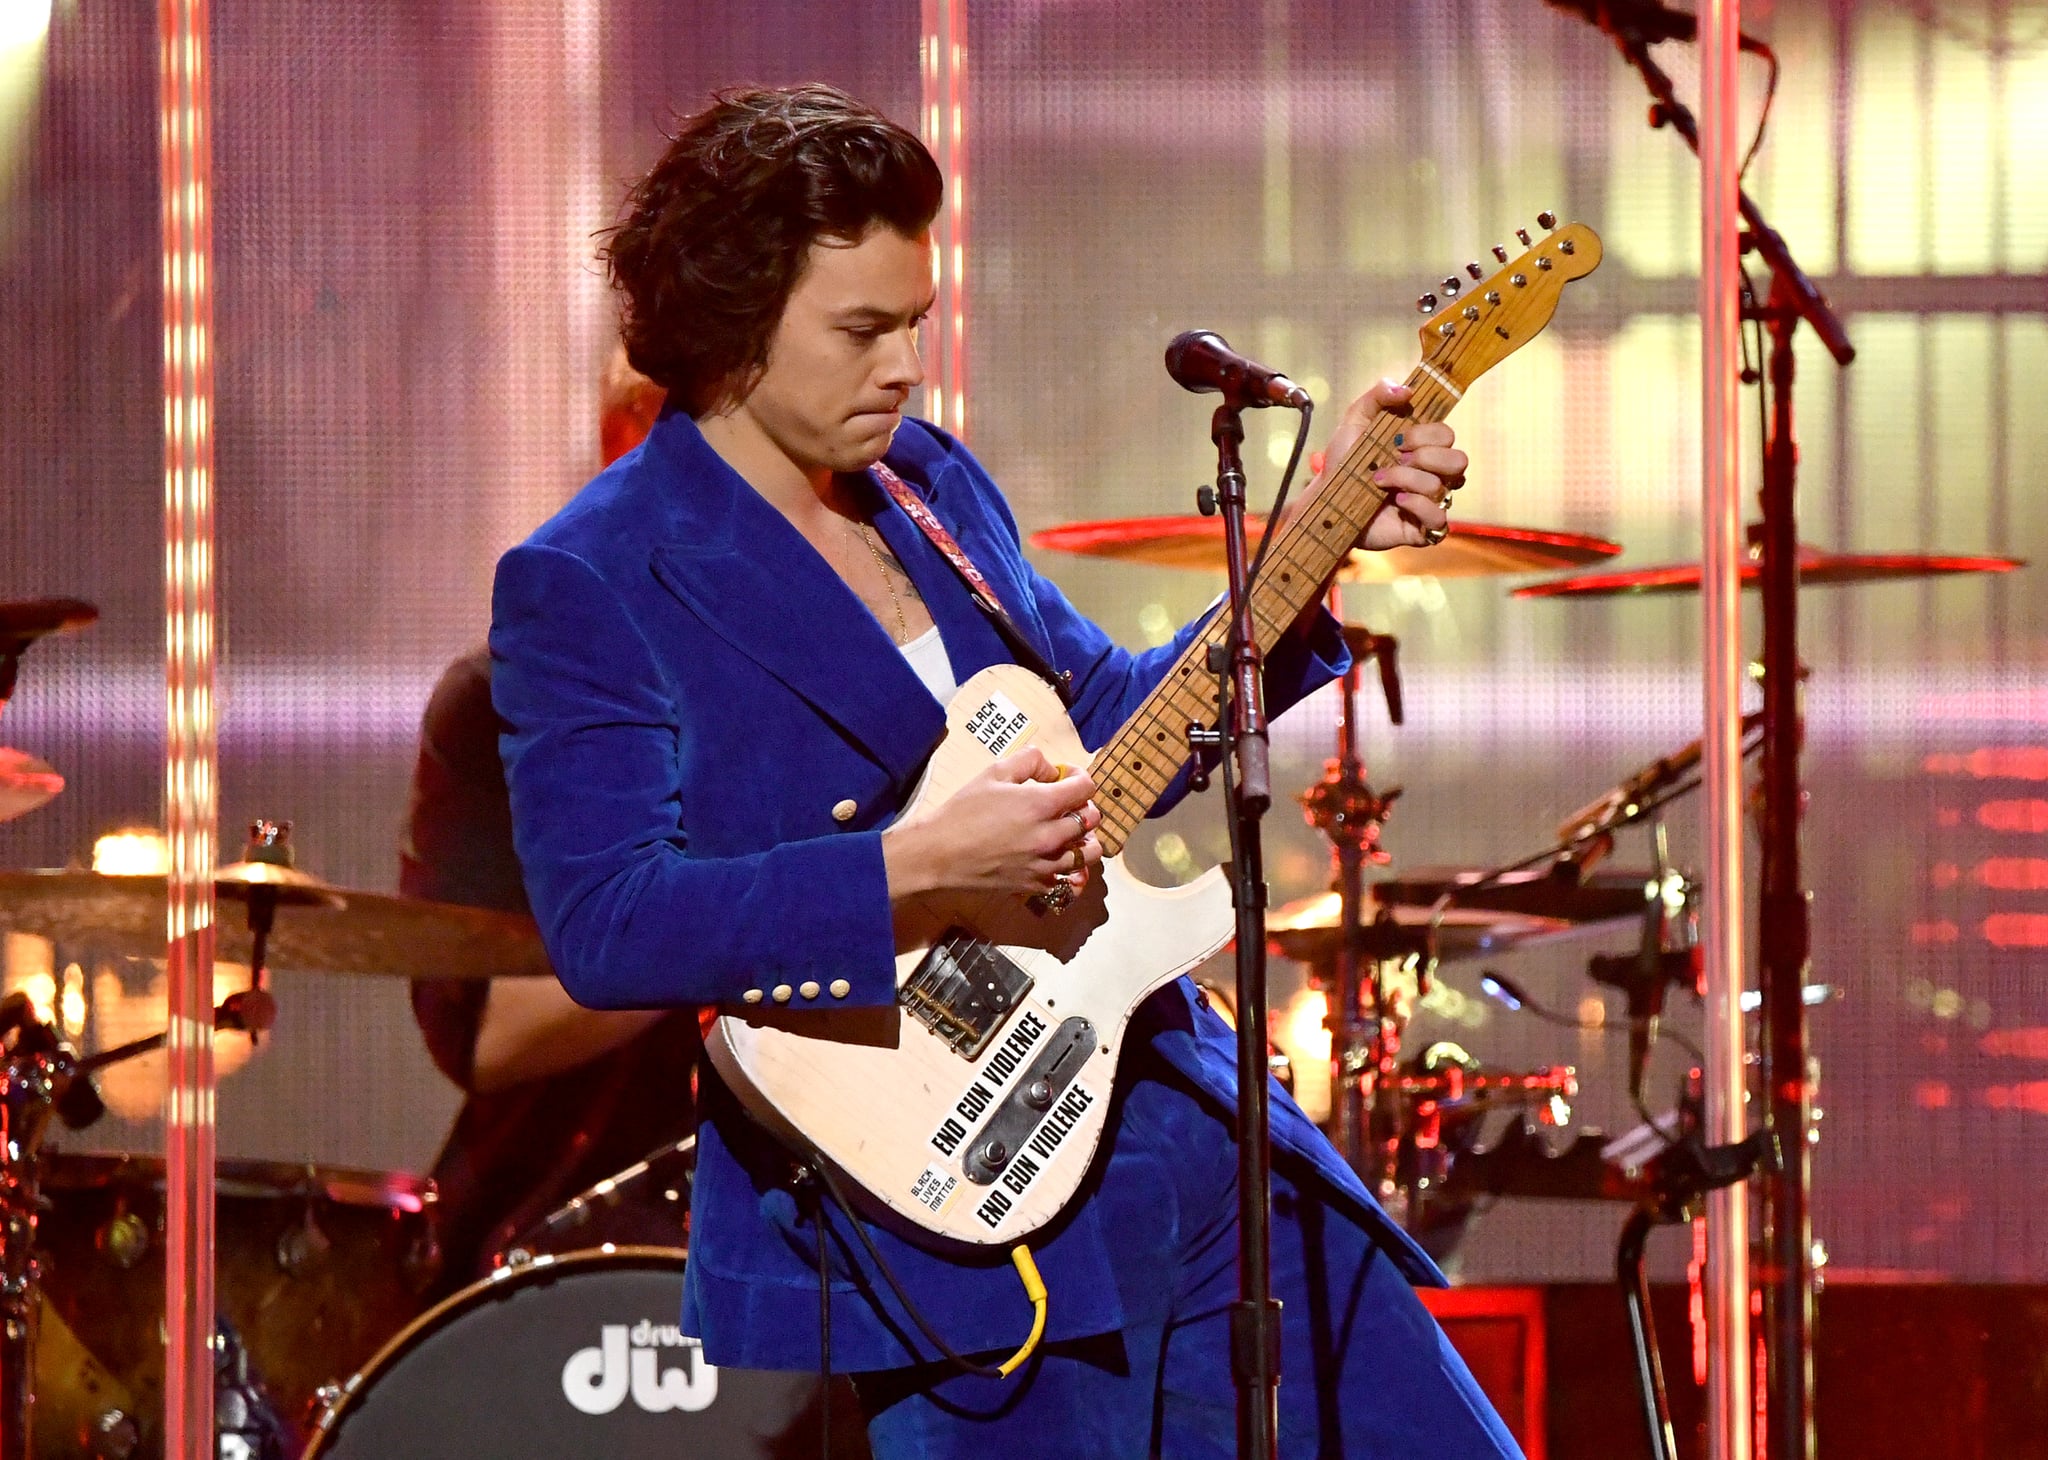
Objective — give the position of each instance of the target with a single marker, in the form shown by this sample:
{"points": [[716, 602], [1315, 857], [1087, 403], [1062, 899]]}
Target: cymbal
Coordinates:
{"points": [[1307, 929], [1582, 901], [1817, 567], [26, 783], [318, 929], [1473, 549], [289, 887]]}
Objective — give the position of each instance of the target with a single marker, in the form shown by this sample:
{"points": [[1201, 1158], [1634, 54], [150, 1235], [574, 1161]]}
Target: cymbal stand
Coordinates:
{"points": [[269, 841], [1365, 1050]]}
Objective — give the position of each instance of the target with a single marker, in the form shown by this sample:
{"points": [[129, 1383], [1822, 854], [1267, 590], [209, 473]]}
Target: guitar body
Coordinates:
{"points": [[1009, 1022]]}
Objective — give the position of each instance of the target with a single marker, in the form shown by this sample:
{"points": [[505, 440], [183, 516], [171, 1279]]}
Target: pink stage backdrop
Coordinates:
{"points": [[410, 329]]}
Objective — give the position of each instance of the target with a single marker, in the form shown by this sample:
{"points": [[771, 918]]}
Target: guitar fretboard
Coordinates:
{"points": [[1133, 770]]}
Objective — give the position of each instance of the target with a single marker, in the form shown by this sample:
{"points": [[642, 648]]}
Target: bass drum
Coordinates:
{"points": [[576, 1355]]}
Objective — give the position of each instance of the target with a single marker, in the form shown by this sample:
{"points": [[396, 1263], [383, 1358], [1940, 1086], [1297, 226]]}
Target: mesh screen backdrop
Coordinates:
{"points": [[410, 328]]}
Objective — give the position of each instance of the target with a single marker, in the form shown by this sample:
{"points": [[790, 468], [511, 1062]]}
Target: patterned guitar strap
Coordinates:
{"points": [[1026, 652]]}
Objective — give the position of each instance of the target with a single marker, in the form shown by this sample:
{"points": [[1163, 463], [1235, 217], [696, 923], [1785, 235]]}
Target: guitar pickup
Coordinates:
{"points": [[963, 991], [1034, 1093]]}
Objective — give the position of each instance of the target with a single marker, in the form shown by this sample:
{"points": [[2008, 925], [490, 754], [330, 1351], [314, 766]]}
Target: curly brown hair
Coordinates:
{"points": [[717, 233]]}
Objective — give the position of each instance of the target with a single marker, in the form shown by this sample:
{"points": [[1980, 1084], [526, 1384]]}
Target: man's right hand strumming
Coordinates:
{"points": [[1018, 827]]}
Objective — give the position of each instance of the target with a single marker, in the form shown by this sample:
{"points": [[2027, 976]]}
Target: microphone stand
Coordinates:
{"points": [[1785, 934], [1240, 733]]}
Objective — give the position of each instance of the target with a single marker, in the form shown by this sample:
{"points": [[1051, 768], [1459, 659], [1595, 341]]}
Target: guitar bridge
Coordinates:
{"points": [[963, 990]]}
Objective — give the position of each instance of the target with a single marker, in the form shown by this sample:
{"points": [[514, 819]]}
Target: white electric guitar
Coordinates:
{"points": [[972, 1107]]}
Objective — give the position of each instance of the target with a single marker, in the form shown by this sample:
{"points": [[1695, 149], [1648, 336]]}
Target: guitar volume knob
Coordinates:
{"points": [[1038, 1094]]}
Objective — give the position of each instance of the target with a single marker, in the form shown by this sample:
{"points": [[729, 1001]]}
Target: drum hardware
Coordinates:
{"points": [[1365, 1031], [660, 1180], [246, 1425], [287, 1325], [302, 1247], [42, 1076]]}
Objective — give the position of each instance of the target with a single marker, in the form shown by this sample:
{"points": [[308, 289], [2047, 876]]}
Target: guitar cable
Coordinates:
{"points": [[1020, 1258]]}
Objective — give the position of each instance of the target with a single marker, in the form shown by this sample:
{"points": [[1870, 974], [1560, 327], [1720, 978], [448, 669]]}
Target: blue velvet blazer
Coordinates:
{"points": [[690, 690]]}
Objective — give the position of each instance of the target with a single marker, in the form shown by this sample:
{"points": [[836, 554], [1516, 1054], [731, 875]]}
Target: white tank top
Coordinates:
{"points": [[927, 656]]}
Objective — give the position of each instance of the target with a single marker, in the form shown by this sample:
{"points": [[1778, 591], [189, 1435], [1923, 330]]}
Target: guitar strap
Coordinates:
{"points": [[984, 596]]}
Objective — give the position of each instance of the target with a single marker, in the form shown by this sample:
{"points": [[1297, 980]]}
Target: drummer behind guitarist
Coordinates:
{"points": [[722, 667], [558, 1096]]}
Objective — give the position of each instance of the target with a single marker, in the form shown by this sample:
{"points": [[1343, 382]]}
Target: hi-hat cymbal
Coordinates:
{"points": [[1307, 929], [318, 929], [1817, 566], [25, 783], [1473, 549]]}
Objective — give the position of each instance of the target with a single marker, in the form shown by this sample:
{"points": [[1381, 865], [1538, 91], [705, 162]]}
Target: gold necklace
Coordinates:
{"points": [[868, 535]]}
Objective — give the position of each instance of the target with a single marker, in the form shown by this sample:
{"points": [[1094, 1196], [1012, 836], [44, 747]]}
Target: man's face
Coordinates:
{"points": [[844, 355]]}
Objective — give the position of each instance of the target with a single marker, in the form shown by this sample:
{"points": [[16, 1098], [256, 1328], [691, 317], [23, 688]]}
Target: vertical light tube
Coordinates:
{"points": [[1729, 1373], [590, 337], [942, 121], [191, 799]]}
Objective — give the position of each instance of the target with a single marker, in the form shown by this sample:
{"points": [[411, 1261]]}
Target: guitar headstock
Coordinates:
{"points": [[1480, 321]]}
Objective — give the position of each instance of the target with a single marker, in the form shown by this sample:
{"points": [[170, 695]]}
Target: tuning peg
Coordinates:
{"points": [[1523, 235], [1500, 253], [1452, 285], [1475, 271], [1426, 304], [1546, 220]]}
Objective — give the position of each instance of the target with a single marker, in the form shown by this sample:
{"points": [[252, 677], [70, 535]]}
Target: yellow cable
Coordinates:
{"points": [[1034, 1289]]}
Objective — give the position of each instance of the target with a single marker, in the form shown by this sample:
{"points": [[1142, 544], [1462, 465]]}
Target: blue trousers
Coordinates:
{"points": [[1365, 1371]]}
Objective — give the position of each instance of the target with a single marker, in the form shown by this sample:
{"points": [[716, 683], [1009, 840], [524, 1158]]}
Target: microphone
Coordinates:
{"points": [[1645, 20], [1202, 360]]}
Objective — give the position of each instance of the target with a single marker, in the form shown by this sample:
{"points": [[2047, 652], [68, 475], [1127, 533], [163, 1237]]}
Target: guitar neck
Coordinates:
{"points": [[1133, 770]]}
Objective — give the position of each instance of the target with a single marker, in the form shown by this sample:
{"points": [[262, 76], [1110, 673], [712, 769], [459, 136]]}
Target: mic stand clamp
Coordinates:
{"points": [[1248, 793]]}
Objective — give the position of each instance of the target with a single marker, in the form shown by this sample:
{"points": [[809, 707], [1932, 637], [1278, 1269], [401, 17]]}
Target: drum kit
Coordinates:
{"points": [[1410, 1122], [326, 1346]]}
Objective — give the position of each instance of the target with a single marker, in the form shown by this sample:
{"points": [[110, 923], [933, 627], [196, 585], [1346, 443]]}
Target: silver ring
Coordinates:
{"points": [[1080, 825], [1435, 535], [1058, 897]]}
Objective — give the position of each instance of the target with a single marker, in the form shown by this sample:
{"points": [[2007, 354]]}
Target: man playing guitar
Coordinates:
{"points": [[722, 667]]}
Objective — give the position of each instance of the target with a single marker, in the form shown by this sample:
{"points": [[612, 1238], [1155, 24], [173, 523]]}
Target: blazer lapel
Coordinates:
{"points": [[751, 576]]}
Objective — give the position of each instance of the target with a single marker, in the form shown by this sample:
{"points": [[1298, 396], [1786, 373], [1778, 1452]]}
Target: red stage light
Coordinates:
{"points": [[2013, 874], [1992, 763], [2031, 1095], [1932, 1095], [2020, 816], [2028, 1042], [2017, 930]]}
